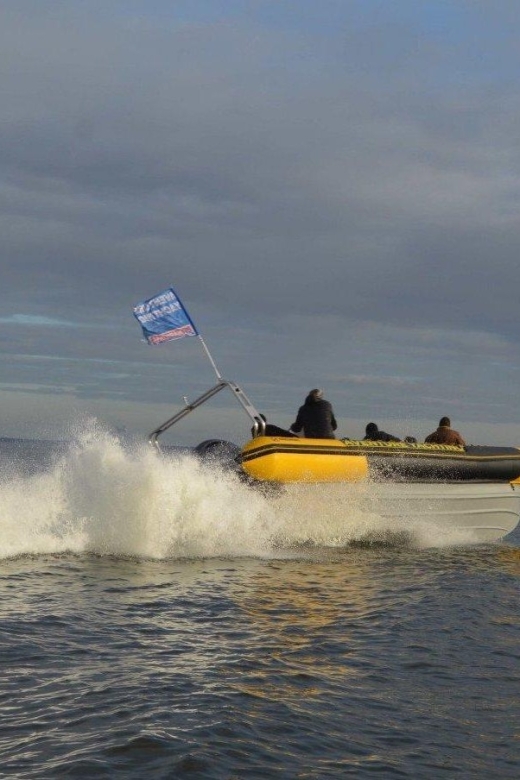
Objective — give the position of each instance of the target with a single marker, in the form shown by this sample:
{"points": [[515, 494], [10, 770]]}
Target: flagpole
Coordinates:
{"points": [[206, 350]]}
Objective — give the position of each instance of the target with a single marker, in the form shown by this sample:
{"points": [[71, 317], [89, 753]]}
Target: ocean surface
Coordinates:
{"points": [[159, 619]]}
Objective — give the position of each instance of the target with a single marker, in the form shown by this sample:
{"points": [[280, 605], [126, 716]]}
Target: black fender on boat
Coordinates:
{"points": [[427, 462]]}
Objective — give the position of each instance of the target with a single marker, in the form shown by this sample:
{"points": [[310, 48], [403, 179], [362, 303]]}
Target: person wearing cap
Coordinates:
{"points": [[445, 434], [315, 417], [374, 434]]}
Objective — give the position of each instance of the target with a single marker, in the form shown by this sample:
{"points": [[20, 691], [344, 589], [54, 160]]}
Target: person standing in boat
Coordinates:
{"points": [[445, 434], [315, 417], [374, 434]]}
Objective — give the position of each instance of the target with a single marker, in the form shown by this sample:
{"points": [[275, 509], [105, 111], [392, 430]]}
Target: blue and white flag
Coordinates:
{"points": [[163, 318]]}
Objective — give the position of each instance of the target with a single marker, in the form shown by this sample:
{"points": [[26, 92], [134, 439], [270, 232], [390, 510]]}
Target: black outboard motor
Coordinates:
{"points": [[220, 452], [227, 455]]}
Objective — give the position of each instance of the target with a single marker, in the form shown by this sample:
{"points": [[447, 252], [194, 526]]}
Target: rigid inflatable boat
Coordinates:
{"points": [[474, 488], [291, 459], [474, 491]]}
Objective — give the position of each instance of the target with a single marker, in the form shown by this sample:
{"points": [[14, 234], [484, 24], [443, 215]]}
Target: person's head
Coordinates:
{"points": [[315, 395], [371, 429], [445, 422]]}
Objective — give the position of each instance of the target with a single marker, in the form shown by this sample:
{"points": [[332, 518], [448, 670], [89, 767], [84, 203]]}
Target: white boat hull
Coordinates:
{"points": [[489, 511], [430, 514]]}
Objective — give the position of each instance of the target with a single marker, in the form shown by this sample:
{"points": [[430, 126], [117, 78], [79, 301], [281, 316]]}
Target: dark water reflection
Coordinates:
{"points": [[394, 661]]}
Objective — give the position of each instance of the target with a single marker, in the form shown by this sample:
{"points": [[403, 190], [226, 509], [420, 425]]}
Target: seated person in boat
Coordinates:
{"points": [[445, 434], [272, 430], [315, 417], [374, 434]]}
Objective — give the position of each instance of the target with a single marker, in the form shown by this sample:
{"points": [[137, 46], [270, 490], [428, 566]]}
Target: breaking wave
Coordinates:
{"points": [[101, 497]]}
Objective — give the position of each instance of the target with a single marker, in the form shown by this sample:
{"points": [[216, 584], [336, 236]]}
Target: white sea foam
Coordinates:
{"points": [[341, 514], [103, 498]]}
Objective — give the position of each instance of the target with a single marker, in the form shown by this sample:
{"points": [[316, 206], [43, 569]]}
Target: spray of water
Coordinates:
{"points": [[101, 497]]}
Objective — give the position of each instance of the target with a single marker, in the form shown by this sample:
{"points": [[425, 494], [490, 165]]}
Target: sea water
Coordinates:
{"points": [[159, 618]]}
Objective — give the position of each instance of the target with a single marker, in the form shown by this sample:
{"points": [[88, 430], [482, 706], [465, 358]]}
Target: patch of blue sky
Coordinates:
{"points": [[111, 361], [38, 321], [134, 367], [194, 11], [453, 19], [469, 40]]}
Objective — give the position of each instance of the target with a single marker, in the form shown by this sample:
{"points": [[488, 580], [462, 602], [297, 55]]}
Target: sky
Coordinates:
{"points": [[331, 186]]}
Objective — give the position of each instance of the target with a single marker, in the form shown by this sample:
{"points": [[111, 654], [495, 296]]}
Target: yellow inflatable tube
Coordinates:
{"points": [[290, 459]]}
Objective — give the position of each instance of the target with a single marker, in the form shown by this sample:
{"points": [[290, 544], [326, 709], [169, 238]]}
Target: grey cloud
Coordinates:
{"points": [[265, 178]]}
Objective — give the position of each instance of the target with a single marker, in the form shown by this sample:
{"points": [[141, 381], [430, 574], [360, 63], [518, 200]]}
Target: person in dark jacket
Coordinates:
{"points": [[315, 417], [374, 434], [445, 434]]}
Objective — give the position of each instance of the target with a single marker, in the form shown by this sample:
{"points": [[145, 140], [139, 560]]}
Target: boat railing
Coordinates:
{"points": [[238, 393]]}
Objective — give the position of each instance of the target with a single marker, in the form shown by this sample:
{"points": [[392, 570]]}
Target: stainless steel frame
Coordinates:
{"points": [[258, 421]]}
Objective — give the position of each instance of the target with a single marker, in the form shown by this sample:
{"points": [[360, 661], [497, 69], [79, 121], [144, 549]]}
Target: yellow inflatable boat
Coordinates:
{"points": [[472, 491], [291, 459]]}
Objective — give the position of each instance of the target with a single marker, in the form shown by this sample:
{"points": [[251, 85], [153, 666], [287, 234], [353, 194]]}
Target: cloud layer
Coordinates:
{"points": [[333, 189]]}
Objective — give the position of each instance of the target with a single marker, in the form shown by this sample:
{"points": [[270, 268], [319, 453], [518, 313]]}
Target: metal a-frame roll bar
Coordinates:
{"points": [[258, 420]]}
